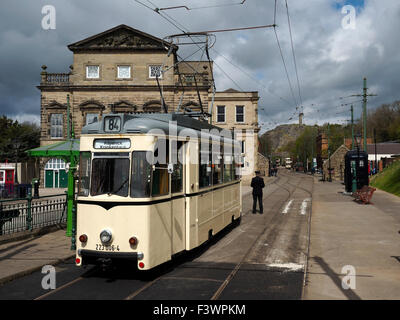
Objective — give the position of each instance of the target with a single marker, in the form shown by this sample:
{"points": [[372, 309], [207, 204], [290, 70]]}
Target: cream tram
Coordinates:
{"points": [[152, 186]]}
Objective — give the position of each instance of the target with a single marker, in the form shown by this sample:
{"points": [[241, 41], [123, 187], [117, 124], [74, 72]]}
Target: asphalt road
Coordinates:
{"points": [[262, 258]]}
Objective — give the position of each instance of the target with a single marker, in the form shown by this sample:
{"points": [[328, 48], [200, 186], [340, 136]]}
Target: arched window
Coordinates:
{"points": [[55, 164]]}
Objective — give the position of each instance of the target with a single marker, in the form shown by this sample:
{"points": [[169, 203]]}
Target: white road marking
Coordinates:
{"points": [[304, 206], [290, 266], [287, 207]]}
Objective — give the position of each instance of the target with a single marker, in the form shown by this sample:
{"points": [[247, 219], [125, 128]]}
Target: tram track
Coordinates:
{"points": [[226, 281], [271, 220], [231, 276], [307, 256]]}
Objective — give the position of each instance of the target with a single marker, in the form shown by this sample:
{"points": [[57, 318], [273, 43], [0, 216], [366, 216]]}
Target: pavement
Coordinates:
{"points": [[23, 257], [365, 238], [51, 191]]}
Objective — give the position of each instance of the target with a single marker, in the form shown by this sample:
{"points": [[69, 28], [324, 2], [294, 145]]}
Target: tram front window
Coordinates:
{"points": [[110, 176], [84, 174], [141, 174]]}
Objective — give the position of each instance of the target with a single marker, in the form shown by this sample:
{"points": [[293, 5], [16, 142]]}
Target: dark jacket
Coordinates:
{"points": [[257, 183]]}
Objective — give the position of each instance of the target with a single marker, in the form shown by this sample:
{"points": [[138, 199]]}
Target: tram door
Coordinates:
{"points": [[10, 177], [178, 204]]}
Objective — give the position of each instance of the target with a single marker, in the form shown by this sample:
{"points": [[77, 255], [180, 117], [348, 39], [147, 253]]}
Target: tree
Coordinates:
{"points": [[16, 138], [265, 145]]}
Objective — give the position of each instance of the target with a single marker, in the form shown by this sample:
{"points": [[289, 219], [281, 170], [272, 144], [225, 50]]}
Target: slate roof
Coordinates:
{"points": [[390, 148]]}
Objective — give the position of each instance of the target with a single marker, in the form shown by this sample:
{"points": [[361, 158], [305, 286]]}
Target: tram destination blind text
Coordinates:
{"points": [[112, 144]]}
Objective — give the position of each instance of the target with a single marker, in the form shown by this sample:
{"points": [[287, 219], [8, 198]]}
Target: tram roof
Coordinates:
{"points": [[145, 122]]}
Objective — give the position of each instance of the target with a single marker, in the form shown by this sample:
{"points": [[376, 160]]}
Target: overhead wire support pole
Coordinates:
{"points": [[365, 96]]}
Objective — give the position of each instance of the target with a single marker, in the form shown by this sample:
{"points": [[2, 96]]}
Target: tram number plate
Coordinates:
{"points": [[102, 247]]}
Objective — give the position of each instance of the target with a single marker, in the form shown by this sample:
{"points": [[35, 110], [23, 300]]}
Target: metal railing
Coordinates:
{"points": [[28, 213]]}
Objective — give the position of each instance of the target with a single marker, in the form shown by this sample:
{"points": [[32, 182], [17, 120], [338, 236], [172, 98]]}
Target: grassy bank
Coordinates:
{"points": [[389, 179]]}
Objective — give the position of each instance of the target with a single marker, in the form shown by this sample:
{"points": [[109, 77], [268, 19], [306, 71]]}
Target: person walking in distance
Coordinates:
{"points": [[257, 183]]}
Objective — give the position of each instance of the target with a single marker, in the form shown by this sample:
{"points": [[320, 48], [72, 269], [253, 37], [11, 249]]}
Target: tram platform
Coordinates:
{"points": [[346, 233]]}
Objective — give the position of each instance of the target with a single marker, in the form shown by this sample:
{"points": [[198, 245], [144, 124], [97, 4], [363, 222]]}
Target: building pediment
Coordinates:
{"points": [[121, 37]]}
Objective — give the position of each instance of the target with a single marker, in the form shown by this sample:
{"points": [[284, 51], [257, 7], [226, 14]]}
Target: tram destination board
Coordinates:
{"points": [[112, 143]]}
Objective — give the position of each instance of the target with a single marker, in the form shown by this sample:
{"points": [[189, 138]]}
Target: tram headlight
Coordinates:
{"points": [[105, 236]]}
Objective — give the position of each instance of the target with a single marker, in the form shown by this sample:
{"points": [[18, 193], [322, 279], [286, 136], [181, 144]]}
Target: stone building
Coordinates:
{"points": [[116, 71], [238, 111], [337, 164]]}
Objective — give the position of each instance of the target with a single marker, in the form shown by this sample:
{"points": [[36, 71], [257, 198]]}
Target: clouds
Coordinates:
{"points": [[331, 61]]}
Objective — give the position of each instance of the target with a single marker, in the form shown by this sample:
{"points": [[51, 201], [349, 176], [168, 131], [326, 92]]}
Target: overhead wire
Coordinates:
{"points": [[293, 52], [183, 29], [283, 58], [203, 7]]}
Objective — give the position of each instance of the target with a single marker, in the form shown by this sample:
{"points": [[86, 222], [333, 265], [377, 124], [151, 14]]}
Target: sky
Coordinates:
{"points": [[331, 58]]}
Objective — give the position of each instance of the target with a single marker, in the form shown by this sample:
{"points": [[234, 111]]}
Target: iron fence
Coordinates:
{"points": [[28, 213]]}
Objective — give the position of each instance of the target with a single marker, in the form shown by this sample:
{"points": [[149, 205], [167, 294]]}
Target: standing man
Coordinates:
{"points": [[257, 183]]}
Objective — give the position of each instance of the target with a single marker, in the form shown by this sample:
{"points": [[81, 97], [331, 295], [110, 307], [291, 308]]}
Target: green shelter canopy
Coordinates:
{"points": [[66, 148], [69, 151]]}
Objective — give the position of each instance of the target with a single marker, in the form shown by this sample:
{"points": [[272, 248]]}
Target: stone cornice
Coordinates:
{"points": [[135, 88]]}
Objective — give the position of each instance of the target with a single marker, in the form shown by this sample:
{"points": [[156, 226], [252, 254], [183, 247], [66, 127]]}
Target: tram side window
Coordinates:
{"points": [[205, 171], [217, 163], [84, 174], [227, 163], [160, 185], [177, 174], [236, 161], [141, 175], [110, 176]]}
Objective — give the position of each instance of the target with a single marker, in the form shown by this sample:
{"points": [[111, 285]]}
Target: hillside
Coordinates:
{"points": [[282, 135], [389, 179]]}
